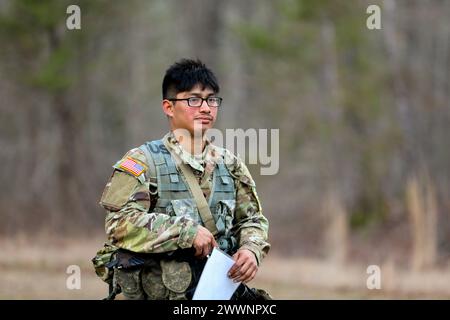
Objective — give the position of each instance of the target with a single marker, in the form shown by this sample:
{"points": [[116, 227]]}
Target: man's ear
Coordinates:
{"points": [[167, 107]]}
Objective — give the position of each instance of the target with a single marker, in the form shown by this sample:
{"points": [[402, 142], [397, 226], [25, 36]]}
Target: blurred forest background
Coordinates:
{"points": [[363, 116]]}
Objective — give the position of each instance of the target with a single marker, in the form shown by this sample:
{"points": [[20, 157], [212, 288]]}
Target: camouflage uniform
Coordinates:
{"points": [[141, 223]]}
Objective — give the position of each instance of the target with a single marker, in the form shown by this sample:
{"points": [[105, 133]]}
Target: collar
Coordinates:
{"points": [[196, 162]]}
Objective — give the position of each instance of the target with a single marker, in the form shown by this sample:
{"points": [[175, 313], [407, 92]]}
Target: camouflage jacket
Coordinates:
{"points": [[129, 194]]}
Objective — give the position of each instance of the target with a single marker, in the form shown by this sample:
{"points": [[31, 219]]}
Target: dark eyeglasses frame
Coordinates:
{"points": [[203, 99]]}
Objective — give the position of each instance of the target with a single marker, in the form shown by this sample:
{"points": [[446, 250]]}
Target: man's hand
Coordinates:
{"points": [[245, 266], [204, 242]]}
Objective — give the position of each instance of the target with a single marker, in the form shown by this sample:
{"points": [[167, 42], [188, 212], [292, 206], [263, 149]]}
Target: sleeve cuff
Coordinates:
{"points": [[187, 235]]}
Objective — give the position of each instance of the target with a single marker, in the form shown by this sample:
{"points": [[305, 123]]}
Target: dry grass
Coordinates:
{"points": [[36, 269]]}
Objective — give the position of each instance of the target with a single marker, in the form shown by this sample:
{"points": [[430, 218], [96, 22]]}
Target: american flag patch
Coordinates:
{"points": [[132, 166]]}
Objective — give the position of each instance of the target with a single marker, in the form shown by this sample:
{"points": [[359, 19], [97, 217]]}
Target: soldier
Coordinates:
{"points": [[155, 217]]}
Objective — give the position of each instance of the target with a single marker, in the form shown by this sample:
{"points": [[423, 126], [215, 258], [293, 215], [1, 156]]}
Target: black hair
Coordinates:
{"points": [[186, 74]]}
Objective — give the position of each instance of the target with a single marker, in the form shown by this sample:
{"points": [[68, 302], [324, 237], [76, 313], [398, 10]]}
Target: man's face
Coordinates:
{"points": [[182, 116]]}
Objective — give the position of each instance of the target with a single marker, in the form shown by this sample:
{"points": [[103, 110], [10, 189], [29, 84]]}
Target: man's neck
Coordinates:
{"points": [[194, 144]]}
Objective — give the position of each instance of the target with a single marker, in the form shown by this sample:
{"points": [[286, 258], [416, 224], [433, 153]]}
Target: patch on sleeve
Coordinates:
{"points": [[133, 166]]}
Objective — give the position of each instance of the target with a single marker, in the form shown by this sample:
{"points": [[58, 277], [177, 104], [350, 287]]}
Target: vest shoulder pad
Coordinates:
{"points": [[237, 167]]}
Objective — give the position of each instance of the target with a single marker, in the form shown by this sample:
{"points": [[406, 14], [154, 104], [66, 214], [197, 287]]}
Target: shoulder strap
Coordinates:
{"points": [[150, 161], [152, 175], [202, 205]]}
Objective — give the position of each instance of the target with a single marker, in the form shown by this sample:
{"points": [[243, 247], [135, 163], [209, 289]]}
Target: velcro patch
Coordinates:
{"points": [[133, 166]]}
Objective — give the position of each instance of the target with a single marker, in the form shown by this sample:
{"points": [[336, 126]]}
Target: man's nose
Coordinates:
{"points": [[204, 107]]}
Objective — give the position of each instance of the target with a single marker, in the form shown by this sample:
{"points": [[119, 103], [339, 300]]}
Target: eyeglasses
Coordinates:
{"points": [[198, 101]]}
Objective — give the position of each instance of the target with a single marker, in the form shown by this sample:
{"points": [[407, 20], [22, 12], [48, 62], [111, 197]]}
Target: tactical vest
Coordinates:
{"points": [[175, 198]]}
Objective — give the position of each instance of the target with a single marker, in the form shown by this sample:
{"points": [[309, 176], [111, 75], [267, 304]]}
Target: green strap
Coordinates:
{"points": [[151, 172], [202, 205], [150, 162]]}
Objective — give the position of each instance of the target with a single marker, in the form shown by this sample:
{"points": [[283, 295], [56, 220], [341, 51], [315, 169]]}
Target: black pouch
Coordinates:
{"points": [[126, 259]]}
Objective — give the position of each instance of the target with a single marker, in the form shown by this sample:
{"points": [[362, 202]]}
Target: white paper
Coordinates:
{"points": [[214, 283]]}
